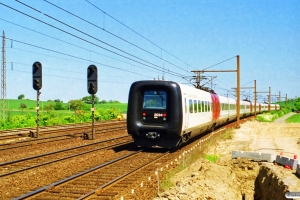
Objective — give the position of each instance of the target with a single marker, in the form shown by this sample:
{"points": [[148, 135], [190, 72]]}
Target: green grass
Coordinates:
{"points": [[211, 158], [293, 119], [272, 115], [228, 134], [16, 117], [13, 106], [121, 106]]}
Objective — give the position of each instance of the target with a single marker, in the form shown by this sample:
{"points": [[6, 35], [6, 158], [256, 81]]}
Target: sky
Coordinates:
{"points": [[131, 40]]}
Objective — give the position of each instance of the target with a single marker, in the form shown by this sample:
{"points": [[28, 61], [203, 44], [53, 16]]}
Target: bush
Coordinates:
{"points": [[51, 118], [272, 115]]}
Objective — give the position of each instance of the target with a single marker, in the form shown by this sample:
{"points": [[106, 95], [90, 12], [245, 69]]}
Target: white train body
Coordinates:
{"points": [[166, 114]]}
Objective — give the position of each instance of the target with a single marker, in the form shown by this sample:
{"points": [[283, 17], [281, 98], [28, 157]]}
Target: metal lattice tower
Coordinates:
{"points": [[3, 77]]}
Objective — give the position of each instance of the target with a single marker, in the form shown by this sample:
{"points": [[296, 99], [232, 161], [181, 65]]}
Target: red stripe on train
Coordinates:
{"points": [[215, 107]]}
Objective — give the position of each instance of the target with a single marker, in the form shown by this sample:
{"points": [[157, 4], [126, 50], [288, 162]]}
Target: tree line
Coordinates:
{"points": [[79, 104]]}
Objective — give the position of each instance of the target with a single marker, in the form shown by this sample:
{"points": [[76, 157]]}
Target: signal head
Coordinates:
{"points": [[37, 75]]}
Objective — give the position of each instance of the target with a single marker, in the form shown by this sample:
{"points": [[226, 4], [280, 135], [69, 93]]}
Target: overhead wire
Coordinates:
{"points": [[54, 51], [220, 63], [135, 32], [61, 70], [115, 35], [72, 44], [163, 70], [68, 77], [171, 73], [174, 73]]}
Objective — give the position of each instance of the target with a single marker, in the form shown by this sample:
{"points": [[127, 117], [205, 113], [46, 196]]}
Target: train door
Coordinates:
{"points": [[185, 113]]}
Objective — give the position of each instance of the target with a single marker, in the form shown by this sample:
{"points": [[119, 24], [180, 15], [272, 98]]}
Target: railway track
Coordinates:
{"points": [[109, 184], [103, 181], [20, 165], [55, 134], [30, 132]]}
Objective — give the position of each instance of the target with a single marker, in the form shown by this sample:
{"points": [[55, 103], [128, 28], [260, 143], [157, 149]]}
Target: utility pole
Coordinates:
{"points": [[269, 105], [254, 94], [3, 77], [198, 72], [268, 97], [255, 98]]}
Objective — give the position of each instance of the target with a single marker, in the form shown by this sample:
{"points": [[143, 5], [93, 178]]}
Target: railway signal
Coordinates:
{"points": [[37, 85], [92, 86], [92, 79], [37, 75]]}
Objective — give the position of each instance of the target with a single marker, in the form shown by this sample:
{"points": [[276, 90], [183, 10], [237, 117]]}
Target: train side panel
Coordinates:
{"points": [[197, 111]]}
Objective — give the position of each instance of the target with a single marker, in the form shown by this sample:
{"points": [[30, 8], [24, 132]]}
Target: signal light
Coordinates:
{"points": [[37, 75], [92, 79]]}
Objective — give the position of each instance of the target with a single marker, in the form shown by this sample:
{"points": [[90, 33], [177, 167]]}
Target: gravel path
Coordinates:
{"points": [[281, 120]]}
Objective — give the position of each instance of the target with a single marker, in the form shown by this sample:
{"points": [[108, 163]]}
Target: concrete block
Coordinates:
{"points": [[283, 160], [268, 157], [298, 169], [253, 155]]}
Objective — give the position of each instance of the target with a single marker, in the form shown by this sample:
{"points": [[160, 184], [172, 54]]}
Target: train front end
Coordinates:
{"points": [[154, 114]]}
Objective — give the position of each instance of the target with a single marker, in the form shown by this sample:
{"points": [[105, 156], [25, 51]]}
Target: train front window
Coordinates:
{"points": [[155, 99]]}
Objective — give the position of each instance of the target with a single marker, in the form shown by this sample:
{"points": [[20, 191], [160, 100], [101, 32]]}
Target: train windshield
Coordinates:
{"points": [[155, 99]]}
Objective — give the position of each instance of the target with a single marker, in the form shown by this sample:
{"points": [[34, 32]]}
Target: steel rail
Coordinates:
{"points": [[59, 137], [123, 176], [63, 158], [49, 129], [75, 176]]}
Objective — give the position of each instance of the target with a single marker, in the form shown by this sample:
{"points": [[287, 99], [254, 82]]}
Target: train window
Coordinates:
{"points": [[191, 105], [207, 106], [155, 99], [195, 106], [185, 106], [199, 106]]}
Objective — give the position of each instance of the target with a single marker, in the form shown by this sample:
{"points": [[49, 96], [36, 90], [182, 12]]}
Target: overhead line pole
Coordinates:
{"points": [[238, 85], [254, 94], [3, 76], [269, 101]]}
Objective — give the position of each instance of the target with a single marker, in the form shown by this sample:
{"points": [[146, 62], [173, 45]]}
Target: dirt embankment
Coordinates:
{"points": [[241, 178]]}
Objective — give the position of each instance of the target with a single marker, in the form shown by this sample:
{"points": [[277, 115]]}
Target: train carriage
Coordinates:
{"points": [[165, 114]]}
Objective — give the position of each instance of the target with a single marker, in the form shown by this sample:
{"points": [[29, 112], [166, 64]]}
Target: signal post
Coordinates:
{"points": [[37, 85], [92, 87]]}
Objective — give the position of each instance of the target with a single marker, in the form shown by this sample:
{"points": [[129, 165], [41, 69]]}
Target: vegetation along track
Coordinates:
{"points": [[15, 166], [103, 181], [56, 134]]}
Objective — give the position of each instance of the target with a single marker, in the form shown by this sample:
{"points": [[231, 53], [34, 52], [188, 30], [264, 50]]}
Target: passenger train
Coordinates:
{"points": [[165, 114]]}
